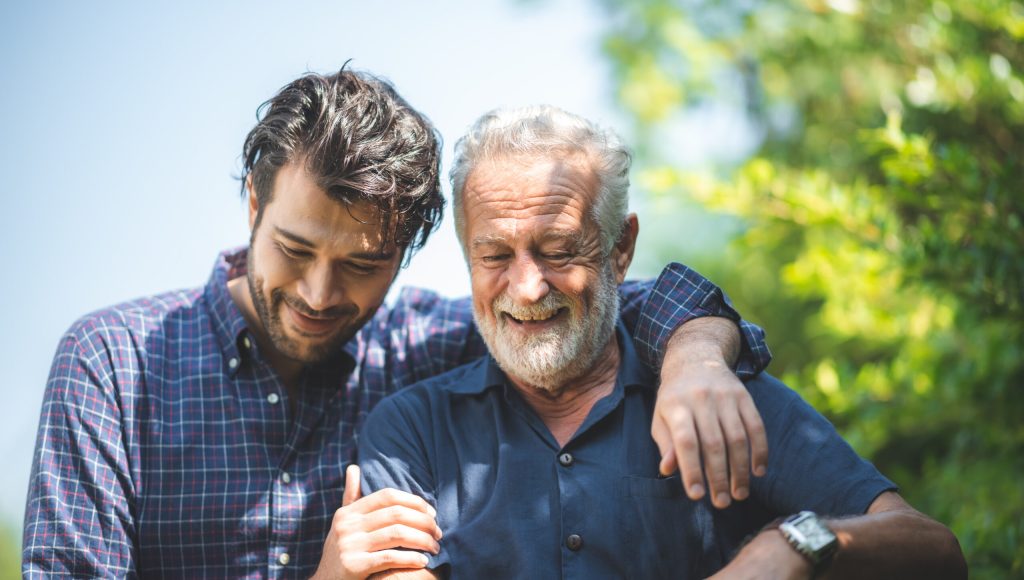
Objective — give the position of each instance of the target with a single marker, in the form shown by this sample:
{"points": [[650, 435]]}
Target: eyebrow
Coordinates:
{"points": [[377, 256], [293, 237], [489, 239]]}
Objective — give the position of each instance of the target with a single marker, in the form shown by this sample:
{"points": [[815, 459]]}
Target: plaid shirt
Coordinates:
{"points": [[165, 445]]}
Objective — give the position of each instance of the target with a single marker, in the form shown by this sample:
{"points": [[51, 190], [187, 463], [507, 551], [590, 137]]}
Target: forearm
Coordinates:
{"points": [[709, 340], [902, 543], [893, 540]]}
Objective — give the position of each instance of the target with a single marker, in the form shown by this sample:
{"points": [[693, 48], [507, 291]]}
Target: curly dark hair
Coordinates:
{"points": [[362, 143]]}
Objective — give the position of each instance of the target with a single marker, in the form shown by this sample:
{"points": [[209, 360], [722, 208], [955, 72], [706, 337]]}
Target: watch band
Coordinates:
{"points": [[812, 538]]}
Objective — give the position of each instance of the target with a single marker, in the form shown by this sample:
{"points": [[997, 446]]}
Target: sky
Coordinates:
{"points": [[123, 124]]}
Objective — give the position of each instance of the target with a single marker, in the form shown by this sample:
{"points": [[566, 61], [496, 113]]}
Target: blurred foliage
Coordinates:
{"points": [[10, 552], [882, 236]]}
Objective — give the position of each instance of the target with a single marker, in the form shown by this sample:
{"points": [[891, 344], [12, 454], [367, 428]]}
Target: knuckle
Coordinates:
{"points": [[714, 446], [737, 440], [687, 443]]}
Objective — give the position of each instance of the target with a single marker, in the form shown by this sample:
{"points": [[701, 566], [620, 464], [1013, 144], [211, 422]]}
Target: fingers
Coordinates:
{"points": [[755, 433], [352, 490], [712, 446], [737, 452], [662, 436], [374, 562], [391, 497], [402, 516], [687, 454], [400, 536]]}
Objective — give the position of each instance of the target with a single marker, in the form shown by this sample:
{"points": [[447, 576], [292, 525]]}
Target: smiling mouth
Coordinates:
{"points": [[534, 319], [311, 325]]}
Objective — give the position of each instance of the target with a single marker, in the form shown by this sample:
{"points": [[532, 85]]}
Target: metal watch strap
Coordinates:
{"points": [[819, 558]]}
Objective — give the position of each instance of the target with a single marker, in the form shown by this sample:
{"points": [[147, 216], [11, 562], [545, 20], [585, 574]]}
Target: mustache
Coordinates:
{"points": [[551, 302], [277, 296]]}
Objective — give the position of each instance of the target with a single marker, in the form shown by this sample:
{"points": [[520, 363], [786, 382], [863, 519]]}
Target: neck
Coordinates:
{"points": [[564, 408], [286, 368]]}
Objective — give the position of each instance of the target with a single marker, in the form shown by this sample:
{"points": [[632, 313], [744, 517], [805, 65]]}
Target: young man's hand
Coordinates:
{"points": [[367, 532], [703, 409]]}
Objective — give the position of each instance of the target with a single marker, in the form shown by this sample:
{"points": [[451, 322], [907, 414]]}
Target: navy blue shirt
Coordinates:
{"points": [[513, 503]]}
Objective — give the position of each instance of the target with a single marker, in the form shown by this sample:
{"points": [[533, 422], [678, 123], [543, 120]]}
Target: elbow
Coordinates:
{"points": [[947, 558], [953, 554]]}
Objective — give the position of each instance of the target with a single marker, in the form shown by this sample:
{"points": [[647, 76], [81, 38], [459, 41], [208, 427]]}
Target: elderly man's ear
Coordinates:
{"points": [[622, 253]]}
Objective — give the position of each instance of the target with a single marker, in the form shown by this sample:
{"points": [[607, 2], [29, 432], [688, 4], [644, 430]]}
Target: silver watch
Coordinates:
{"points": [[811, 537]]}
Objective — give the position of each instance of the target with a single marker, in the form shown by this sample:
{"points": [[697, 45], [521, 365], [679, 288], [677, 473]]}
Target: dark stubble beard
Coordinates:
{"points": [[270, 317]]}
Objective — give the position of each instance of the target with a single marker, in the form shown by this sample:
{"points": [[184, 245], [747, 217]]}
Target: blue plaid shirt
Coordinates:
{"points": [[165, 445]]}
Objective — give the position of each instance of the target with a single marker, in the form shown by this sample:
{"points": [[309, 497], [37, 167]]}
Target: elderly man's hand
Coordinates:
{"points": [[366, 533], [704, 409]]}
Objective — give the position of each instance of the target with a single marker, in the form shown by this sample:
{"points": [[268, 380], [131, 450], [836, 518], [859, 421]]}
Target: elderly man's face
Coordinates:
{"points": [[545, 295]]}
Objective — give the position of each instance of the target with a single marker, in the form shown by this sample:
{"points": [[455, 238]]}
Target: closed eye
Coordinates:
{"points": [[363, 269], [494, 258], [294, 252]]}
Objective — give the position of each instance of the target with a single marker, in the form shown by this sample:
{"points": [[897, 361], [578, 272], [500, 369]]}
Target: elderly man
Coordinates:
{"points": [[204, 433], [538, 459]]}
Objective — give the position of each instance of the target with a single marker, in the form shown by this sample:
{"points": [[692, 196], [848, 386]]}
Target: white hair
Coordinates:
{"points": [[540, 131]]}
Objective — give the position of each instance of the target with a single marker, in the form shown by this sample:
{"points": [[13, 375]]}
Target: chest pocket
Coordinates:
{"points": [[666, 532]]}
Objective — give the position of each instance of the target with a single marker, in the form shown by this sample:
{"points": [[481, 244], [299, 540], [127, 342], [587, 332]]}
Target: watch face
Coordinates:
{"points": [[816, 536]]}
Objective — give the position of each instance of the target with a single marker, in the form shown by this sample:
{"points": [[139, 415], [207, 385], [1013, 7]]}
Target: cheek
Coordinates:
{"points": [[576, 283], [486, 287]]}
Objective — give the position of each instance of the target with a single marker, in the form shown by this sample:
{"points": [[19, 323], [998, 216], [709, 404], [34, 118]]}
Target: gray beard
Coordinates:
{"points": [[551, 359]]}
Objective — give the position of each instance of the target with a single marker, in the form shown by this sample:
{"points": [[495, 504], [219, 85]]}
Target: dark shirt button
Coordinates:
{"points": [[565, 459], [574, 542]]}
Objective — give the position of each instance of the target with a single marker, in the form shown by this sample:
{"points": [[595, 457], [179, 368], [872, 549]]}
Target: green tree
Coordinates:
{"points": [[879, 207]]}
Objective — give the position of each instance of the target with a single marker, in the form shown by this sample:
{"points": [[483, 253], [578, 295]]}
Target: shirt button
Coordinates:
{"points": [[565, 459], [284, 558], [272, 398], [574, 542], [246, 342], [286, 477], [233, 363]]}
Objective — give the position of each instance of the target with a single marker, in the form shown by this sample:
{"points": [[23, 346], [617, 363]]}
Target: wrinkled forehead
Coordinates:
{"points": [[535, 197], [532, 180]]}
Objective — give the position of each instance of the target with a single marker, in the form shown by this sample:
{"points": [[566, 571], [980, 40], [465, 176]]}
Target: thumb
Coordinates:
{"points": [[352, 490]]}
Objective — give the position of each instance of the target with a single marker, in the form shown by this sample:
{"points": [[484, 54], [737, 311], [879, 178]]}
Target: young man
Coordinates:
{"points": [[205, 432]]}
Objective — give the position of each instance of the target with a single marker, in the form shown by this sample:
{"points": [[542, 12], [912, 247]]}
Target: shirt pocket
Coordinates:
{"points": [[664, 530]]}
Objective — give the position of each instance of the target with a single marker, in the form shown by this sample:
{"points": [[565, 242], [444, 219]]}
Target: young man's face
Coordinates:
{"points": [[317, 268]]}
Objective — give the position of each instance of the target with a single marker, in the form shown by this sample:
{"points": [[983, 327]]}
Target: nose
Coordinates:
{"points": [[526, 282], [320, 288]]}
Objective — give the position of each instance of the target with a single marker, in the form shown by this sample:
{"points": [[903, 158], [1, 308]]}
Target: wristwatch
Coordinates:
{"points": [[811, 537]]}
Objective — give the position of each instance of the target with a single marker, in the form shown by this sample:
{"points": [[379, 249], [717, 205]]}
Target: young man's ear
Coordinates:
{"points": [[622, 252], [254, 202]]}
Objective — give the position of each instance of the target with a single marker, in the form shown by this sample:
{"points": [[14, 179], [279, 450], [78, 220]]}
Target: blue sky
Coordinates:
{"points": [[123, 124]]}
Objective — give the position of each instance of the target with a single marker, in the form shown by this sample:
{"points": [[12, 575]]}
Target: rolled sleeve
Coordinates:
{"points": [[392, 455], [679, 295]]}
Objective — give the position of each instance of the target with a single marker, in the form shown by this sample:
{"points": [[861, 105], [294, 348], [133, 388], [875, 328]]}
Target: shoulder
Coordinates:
{"points": [[130, 324], [428, 399]]}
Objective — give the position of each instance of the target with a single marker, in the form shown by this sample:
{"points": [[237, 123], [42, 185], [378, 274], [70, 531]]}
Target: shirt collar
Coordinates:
{"points": [[232, 331], [227, 321], [632, 371]]}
